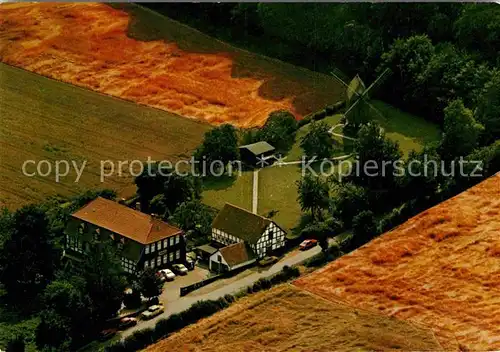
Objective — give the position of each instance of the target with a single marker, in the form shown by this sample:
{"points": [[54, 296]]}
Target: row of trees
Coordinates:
{"points": [[371, 204]]}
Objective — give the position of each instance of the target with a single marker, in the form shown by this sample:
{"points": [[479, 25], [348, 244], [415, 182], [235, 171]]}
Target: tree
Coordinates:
{"points": [[313, 195], [461, 131], [318, 141], [16, 344], [219, 145], [407, 59], [167, 188], [347, 200], [104, 281], [478, 29], [66, 315], [279, 130], [422, 175], [53, 332], [488, 109], [149, 284], [364, 227], [28, 257], [194, 216], [377, 157], [179, 189]]}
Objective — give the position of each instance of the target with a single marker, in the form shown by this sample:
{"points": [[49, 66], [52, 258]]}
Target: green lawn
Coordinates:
{"points": [[278, 191], [410, 131], [11, 325], [236, 190]]}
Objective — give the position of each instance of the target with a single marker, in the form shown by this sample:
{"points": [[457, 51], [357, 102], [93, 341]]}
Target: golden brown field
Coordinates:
{"points": [[288, 319], [87, 44], [440, 269]]}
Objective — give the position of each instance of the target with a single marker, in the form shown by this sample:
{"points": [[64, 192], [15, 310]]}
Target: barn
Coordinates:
{"points": [[258, 154]]}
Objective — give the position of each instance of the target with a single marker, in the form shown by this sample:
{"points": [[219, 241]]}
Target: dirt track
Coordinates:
{"points": [[86, 44], [440, 268]]}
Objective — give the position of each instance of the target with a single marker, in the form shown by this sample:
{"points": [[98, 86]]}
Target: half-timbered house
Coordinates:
{"points": [[234, 224]]}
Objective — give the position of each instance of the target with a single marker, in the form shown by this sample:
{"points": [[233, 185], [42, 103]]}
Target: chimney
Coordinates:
{"points": [[138, 206]]}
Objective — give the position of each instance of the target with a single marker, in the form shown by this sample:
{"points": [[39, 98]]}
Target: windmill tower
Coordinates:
{"points": [[359, 108]]}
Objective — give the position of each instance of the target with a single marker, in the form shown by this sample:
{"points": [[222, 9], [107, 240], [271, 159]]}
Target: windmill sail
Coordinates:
{"points": [[355, 89]]}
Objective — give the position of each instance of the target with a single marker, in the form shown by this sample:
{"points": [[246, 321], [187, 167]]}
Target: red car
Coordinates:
{"points": [[305, 245]]}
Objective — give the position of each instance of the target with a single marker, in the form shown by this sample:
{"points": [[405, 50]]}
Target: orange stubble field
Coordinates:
{"points": [[440, 269], [86, 44]]}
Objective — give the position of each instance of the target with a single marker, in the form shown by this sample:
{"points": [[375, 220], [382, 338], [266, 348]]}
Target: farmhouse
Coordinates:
{"points": [[236, 225], [257, 154], [143, 240]]}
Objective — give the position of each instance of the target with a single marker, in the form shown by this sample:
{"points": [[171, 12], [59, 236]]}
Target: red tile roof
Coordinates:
{"points": [[125, 221]]}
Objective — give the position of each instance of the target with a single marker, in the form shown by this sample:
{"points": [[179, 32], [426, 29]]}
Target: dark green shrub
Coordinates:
{"points": [[132, 300], [139, 339]]}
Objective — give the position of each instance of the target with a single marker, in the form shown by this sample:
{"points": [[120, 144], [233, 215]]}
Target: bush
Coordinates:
{"points": [[139, 339], [132, 300], [334, 108]]}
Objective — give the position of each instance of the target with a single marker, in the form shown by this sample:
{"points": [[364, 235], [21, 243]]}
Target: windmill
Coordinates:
{"points": [[358, 99]]}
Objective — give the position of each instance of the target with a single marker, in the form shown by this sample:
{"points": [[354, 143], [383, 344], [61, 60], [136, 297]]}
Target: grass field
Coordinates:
{"points": [[236, 190], [43, 119], [288, 319]]}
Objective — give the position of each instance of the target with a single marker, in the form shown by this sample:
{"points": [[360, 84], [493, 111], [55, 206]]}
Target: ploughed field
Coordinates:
{"points": [[135, 54], [440, 269], [286, 318]]}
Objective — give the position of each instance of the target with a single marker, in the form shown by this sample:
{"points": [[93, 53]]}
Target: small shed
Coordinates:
{"points": [[257, 154], [231, 257]]}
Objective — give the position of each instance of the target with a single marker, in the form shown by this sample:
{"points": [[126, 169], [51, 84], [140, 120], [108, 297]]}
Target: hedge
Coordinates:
{"points": [[201, 309]]}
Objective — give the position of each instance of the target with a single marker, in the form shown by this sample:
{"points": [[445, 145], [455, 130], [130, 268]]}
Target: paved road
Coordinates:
{"points": [[255, 192], [183, 303]]}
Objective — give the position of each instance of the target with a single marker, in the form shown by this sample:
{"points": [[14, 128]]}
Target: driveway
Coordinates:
{"points": [[175, 304], [171, 289]]}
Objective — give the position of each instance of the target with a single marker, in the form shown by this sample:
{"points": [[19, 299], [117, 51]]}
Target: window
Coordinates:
{"points": [[146, 264], [178, 254], [153, 247], [146, 249], [120, 245], [271, 235], [152, 263], [81, 228], [165, 241], [165, 259], [171, 241], [158, 261], [177, 239], [219, 258], [171, 257]]}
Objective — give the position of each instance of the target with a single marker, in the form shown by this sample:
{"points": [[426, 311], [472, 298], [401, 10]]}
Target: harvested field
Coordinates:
{"points": [[92, 45], [288, 319], [440, 269], [43, 119]]}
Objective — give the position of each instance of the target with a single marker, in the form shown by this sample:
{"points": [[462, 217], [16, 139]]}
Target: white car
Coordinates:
{"points": [[152, 312], [180, 269], [167, 274]]}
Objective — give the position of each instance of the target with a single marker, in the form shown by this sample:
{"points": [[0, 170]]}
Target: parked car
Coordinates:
{"points": [[107, 334], [190, 263], [268, 261], [305, 245], [167, 274], [152, 312], [126, 323], [180, 269]]}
